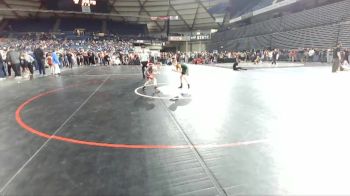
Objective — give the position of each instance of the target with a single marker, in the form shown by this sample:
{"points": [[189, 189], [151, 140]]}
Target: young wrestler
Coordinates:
{"points": [[150, 75], [235, 64], [183, 69]]}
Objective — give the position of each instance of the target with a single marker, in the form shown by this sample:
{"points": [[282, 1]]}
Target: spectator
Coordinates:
{"points": [[2, 69], [55, 63], [40, 60], [336, 58], [13, 58], [28, 62], [274, 57]]}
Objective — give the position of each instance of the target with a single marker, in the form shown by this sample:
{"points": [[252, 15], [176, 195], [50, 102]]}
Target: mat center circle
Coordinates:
{"points": [[166, 91]]}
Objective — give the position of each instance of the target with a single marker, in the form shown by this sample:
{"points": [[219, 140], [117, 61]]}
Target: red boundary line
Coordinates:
{"points": [[109, 145]]}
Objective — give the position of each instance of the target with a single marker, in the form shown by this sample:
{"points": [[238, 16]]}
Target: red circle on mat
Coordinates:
{"points": [[30, 129]]}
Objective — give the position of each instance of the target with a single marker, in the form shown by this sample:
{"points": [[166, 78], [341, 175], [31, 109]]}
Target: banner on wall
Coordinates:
{"points": [[179, 38], [200, 37]]}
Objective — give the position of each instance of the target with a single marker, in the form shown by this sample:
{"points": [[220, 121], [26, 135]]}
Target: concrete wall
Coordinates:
{"points": [[196, 46]]}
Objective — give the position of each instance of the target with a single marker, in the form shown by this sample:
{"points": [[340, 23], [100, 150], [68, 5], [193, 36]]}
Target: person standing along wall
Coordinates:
{"points": [[274, 57], [40, 59], [2, 69], [13, 58], [336, 58], [29, 62], [56, 63], [329, 56]]}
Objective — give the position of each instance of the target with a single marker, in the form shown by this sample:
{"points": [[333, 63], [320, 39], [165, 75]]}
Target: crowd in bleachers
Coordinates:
{"points": [[252, 6]]}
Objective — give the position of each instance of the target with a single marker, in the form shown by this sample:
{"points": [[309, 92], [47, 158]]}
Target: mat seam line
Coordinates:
{"points": [[199, 158], [48, 140]]}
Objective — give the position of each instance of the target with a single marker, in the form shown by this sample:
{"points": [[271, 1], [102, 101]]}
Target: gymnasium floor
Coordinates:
{"points": [[94, 132]]}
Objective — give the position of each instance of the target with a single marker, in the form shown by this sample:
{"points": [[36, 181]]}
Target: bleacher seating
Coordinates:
{"points": [[315, 37], [126, 29], [31, 25], [314, 17], [322, 15], [69, 24], [344, 35], [253, 6], [314, 28]]}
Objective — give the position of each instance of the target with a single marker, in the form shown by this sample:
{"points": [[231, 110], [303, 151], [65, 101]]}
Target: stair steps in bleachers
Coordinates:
{"points": [[314, 28]]}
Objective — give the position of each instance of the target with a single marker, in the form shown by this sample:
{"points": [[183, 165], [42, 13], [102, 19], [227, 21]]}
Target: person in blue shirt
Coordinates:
{"points": [[56, 62]]}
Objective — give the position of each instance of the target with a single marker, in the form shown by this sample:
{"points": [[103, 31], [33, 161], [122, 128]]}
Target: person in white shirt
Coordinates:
{"points": [[311, 54], [29, 61]]}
